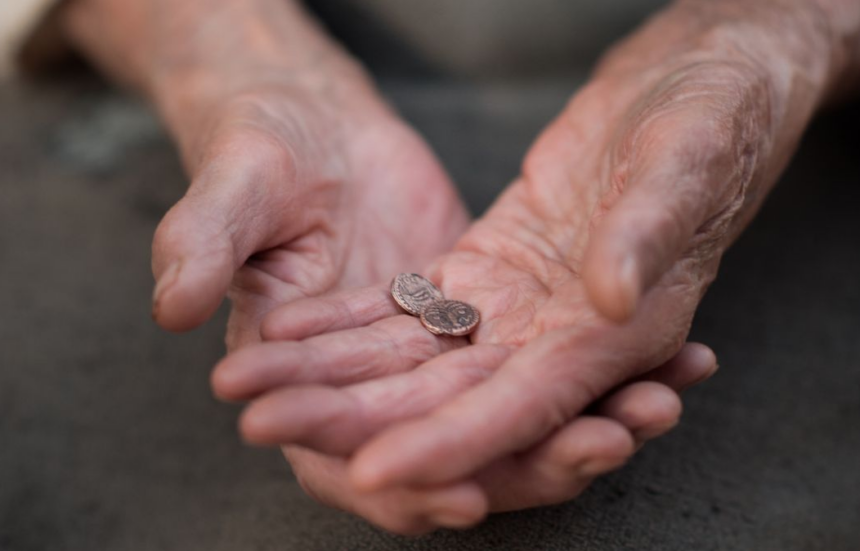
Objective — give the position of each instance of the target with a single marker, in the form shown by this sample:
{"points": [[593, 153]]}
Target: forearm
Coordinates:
{"points": [[187, 56]]}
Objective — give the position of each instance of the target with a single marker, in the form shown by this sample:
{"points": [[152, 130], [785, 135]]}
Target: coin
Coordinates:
{"points": [[413, 293], [450, 317]]}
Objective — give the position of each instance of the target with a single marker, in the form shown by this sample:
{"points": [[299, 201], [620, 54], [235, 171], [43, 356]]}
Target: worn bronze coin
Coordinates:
{"points": [[450, 317], [413, 293]]}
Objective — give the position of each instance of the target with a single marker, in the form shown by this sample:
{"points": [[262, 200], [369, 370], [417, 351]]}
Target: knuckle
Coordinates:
{"points": [[250, 143], [255, 154]]}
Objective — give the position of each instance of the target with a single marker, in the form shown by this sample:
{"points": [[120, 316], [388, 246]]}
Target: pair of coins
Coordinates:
{"points": [[418, 296]]}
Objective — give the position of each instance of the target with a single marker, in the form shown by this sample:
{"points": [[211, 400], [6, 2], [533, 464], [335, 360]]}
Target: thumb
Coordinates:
{"points": [[685, 185], [201, 242]]}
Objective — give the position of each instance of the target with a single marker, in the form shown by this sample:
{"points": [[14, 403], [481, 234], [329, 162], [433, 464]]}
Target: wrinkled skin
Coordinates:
{"points": [[587, 271], [304, 182], [305, 200], [623, 209]]}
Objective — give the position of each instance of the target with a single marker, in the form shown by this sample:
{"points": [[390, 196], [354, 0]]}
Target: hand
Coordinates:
{"points": [[556, 470], [303, 180], [338, 419], [297, 194], [294, 198], [624, 208]]}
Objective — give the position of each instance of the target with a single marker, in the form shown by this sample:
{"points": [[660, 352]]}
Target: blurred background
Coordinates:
{"points": [[109, 438]]}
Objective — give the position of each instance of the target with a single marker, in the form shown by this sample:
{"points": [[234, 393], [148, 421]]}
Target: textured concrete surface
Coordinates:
{"points": [[109, 439]]}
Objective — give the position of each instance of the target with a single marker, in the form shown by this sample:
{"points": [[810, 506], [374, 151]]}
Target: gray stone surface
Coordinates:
{"points": [[109, 439]]}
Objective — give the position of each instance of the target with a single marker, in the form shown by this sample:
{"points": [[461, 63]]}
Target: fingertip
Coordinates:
{"points": [[226, 382], [316, 417], [164, 281], [702, 360], [460, 507], [660, 411], [256, 426], [193, 295], [194, 259], [647, 409], [366, 475], [273, 326], [614, 286], [694, 364], [248, 372], [272, 419]]}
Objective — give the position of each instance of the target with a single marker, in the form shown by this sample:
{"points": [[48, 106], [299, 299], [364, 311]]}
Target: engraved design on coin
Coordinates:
{"points": [[413, 293], [450, 317]]}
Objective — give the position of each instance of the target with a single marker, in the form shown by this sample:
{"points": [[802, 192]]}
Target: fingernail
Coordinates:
{"points": [[165, 282]]}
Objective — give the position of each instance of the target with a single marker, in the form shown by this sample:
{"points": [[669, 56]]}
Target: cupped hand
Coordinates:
{"points": [[353, 363], [302, 183], [624, 208]]}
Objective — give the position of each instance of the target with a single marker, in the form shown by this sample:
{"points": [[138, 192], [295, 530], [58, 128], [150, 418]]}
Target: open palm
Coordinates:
{"points": [[540, 356], [623, 210], [296, 194]]}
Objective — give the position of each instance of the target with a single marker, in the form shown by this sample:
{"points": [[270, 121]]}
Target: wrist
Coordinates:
{"points": [[190, 57], [213, 54]]}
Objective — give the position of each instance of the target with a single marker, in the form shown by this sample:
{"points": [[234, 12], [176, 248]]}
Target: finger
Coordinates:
{"points": [[226, 216], [337, 421], [339, 311], [647, 409], [694, 364], [392, 345], [677, 171], [560, 468], [404, 511], [535, 392], [565, 464], [651, 406]]}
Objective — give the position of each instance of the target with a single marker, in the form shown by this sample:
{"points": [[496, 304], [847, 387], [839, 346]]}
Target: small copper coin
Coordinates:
{"points": [[413, 293], [450, 317]]}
